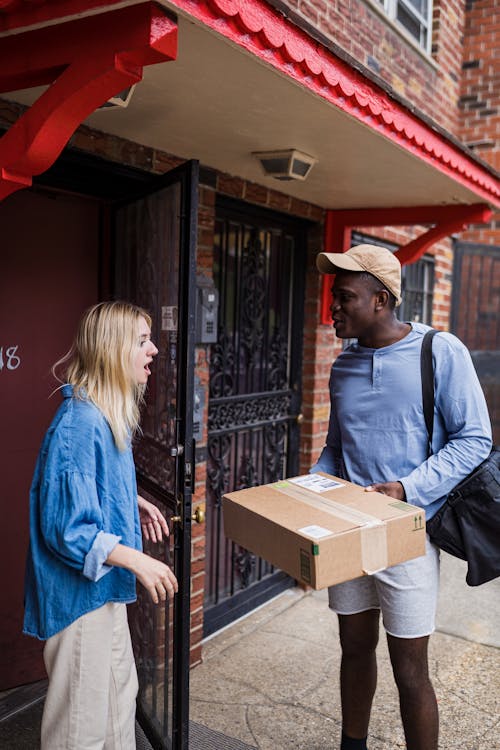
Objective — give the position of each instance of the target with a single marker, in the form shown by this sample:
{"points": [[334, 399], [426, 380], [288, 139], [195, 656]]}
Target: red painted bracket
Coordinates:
{"points": [[445, 220], [81, 78]]}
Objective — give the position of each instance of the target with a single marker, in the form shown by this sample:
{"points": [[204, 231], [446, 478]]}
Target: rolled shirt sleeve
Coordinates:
{"points": [[95, 561]]}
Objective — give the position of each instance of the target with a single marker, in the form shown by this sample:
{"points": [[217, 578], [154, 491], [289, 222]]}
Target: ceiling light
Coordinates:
{"points": [[287, 164]]}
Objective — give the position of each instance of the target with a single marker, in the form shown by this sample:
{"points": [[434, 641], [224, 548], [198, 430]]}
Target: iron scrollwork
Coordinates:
{"points": [[278, 361], [237, 413], [219, 450], [244, 564], [222, 360]]}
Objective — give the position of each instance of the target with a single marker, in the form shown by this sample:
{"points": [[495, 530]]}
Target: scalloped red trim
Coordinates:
{"points": [[265, 33]]}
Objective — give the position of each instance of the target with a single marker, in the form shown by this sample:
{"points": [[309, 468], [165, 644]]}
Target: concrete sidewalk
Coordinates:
{"points": [[271, 680]]}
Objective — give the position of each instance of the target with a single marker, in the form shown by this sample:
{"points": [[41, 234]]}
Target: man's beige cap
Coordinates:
{"points": [[378, 261]]}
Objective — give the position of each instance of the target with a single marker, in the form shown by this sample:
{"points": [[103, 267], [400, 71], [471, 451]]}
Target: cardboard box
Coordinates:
{"points": [[323, 530]]}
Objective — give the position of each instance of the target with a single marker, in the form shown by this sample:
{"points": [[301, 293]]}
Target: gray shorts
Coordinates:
{"points": [[406, 594]]}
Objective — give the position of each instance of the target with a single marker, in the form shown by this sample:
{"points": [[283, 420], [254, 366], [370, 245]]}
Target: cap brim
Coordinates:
{"points": [[333, 262]]}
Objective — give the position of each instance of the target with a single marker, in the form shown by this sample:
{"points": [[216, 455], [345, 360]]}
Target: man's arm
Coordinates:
{"points": [[330, 459], [463, 416]]}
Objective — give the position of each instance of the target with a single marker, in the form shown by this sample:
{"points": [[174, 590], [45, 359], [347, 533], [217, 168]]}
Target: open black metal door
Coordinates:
{"points": [[154, 238]]}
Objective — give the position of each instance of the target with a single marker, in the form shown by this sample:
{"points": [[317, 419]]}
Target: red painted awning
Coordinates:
{"points": [[266, 34]]}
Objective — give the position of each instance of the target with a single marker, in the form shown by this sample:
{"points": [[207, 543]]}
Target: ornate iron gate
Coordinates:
{"points": [[255, 391], [154, 240], [475, 316]]}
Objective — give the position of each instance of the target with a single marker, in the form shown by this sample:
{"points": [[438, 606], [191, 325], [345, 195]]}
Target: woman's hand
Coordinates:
{"points": [[153, 522], [154, 575]]}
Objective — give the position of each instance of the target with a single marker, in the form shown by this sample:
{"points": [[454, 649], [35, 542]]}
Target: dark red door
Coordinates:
{"points": [[48, 276]]}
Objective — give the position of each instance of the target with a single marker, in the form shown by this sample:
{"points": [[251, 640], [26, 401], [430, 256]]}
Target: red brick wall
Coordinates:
{"points": [[480, 96], [320, 347], [430, 83], [320, 344]]}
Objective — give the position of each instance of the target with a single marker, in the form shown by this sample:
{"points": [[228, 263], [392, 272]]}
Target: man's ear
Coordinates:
{"points": [[381, 300]]}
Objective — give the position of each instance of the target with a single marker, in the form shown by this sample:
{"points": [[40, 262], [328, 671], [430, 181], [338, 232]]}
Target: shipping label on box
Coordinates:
{"points": [[323, 530]]}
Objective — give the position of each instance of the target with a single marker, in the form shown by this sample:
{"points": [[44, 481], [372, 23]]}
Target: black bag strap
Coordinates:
{"points": [[427, 375]]}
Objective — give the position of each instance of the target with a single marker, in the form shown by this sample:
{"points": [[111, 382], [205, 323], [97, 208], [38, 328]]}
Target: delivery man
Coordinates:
{"points": [[377, 438]]}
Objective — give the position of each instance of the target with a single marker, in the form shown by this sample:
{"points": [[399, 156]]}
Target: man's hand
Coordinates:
{"points": [[393, 489], [153, 522]]}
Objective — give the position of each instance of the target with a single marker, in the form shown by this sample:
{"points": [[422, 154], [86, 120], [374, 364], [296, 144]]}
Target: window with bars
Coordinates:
{"points": [[417, 282], [418, 287], [415, 16]]}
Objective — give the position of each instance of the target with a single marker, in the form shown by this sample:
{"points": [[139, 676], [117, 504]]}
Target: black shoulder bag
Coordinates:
{"points": [[468, 524]]}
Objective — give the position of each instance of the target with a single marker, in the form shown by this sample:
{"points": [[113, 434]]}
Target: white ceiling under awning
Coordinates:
{"points": [[217, 103]]}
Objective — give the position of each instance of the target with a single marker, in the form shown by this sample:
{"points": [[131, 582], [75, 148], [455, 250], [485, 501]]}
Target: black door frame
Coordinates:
{"points": [[112, 184], [244, 601]]}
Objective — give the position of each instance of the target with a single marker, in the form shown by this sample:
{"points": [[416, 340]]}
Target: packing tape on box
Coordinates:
{"points": [[339, 510], [374, 548], [373, 530]]}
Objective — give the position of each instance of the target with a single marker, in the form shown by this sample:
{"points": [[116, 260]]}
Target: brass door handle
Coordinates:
{"points": [[198, 516], [299, 418]]}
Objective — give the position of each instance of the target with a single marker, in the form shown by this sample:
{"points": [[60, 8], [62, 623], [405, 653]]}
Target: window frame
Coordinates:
{"points": [[391, 7], [423, 267]]}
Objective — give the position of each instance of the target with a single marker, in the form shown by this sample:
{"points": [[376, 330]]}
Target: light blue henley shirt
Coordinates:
{"points": [[377, 431]]}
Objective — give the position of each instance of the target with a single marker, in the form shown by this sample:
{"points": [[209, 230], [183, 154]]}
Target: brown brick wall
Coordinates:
{"points": [[431, 84], [320, 345], [479, 103]]}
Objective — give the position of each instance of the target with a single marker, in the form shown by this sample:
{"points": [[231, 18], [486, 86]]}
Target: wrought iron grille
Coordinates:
{"points": [[154, 240], [153, 643], [254, 388]]}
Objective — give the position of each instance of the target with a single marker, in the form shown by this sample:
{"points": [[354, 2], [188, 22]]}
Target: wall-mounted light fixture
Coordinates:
{"points": [[286, 164], [122, 99]]}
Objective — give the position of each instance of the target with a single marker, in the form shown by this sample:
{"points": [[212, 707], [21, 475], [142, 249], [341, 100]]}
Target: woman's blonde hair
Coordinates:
{"points": [[99, 365]]}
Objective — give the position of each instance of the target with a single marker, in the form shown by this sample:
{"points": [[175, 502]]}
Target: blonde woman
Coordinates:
{"points": [[85, 535]]}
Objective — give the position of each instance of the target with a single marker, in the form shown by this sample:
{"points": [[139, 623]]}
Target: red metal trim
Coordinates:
{"points": [[18, 14], [266, 34], [122, 42], [445, 220]]}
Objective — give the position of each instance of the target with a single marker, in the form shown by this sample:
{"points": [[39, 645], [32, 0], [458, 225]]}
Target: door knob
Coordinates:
{"points": [[299, 418], [199, 516]]}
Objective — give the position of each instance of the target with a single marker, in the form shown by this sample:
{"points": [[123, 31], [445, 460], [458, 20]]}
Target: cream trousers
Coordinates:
{"points": [[90, 702]]}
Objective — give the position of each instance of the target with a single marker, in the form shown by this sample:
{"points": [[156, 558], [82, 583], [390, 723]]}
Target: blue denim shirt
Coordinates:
{"points": [[377, 429], [83, 501]]}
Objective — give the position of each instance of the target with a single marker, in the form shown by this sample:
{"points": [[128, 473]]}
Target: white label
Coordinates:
{"points": [[316, 483], [169, 317], [315, 532]]}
